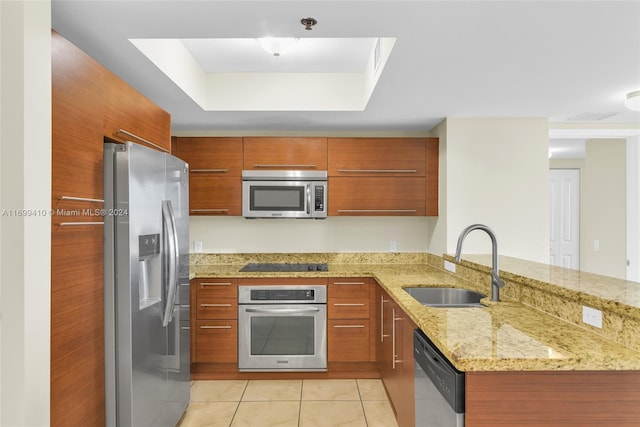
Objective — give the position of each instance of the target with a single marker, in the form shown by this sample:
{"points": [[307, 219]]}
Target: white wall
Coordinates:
{"points": [[25, 183], [496, 174], [604, 209]]}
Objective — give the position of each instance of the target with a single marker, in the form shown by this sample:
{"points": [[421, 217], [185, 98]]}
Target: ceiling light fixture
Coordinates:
{"points": [[633, 101], [277, 46], [308, 23]]}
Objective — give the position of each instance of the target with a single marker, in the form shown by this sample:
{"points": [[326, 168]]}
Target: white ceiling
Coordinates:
{"points": [[554, 59]]}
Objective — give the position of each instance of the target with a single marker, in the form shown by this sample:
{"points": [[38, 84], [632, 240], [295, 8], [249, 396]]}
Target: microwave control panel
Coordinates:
{"points": [[319, 198]]}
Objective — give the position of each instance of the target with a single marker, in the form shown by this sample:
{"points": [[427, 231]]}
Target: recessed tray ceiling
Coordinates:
{"points": [[315, 74]]}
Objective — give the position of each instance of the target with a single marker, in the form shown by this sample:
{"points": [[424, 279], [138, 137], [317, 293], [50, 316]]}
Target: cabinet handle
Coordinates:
{"points": [[186, 328], [143, 140], [375, 210], [283, 166], [378, 170], [81, 199], [215, 327], [348, 283], [348, 326], [382, 302], [393, 339], [75, 224], [210, 170], [216, 284], [211, 210], [395, 359], [349, 304], [215, 305]]}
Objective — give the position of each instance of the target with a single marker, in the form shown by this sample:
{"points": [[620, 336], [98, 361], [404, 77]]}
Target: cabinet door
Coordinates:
{"points": [[376, 196], [215, 174], [129, 111], [77, 313], [431, 176], [210, 194], [376, 157], [263, 153], [219, 156]]}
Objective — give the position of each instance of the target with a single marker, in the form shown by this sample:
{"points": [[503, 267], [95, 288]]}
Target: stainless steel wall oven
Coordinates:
{"points": [[282, 328]]}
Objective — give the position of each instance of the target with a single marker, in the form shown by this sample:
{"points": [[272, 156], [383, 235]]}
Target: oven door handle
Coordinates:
{"points": [[282, 310]]}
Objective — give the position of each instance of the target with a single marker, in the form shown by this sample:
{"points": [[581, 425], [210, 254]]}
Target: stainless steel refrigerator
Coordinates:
{"points": [[146, 220]]}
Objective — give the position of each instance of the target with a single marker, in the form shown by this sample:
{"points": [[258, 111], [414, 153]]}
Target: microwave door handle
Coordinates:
{"points": [[308, 199]]}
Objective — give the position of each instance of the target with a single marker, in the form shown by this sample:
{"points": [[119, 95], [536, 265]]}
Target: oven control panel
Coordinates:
{"points": [[282, 295]]}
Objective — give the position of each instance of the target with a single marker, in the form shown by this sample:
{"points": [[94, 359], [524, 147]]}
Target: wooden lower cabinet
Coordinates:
{"points": [[348, 340], [214, 320], [216, 341], [349, 329], [553, 399], [395, 358]]}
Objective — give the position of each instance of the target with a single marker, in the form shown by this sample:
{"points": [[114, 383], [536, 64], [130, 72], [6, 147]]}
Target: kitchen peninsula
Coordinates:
{"points": [[520, 350]]}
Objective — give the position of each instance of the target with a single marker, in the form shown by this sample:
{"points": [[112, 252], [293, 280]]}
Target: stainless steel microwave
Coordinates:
{"points": [[284, 194]]}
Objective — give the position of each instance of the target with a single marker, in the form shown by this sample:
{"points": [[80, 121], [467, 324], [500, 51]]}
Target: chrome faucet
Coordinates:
{"points": [[496, 281]]}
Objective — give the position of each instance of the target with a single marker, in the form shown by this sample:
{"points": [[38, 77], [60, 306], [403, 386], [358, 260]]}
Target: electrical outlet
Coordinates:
{"points": [[449, 266], [596, 245], [393, 246], [197, 246], [592, 317]]}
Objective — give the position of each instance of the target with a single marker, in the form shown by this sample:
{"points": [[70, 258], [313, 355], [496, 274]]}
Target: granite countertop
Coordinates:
{"points": [[502, 336]]}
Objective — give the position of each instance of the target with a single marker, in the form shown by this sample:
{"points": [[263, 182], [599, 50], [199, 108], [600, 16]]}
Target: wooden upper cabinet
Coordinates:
{"points": [[431, 176], [77, 318], [211, 155], [291, 153], [127, 111], [376, 196], [77, 110], [376, 156], [215, 174]]}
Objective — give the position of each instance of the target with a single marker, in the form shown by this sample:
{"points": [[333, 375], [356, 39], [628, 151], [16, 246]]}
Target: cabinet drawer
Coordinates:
{"points": [[216, 308], [348, 340], [216, 341], [348, 308], [349, 287], [216, 288]]}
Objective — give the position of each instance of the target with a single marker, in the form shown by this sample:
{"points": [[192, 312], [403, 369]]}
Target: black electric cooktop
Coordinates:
{"points": [[283, 267]]}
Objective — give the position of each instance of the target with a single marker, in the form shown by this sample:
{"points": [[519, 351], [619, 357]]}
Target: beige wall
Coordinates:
{"points": [[335, 234], [496, 173], [603, 208], [25, 183]]}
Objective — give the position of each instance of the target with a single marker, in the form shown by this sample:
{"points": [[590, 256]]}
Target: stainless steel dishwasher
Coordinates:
{"points": [[439, 387]]}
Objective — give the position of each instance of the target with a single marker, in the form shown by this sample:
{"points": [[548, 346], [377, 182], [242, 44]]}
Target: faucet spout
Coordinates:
{"points": [[496, 281]]}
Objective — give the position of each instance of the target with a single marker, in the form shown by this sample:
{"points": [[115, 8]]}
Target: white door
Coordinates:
{"points": [[564, 193]]}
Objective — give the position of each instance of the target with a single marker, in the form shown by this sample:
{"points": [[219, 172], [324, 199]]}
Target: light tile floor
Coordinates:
{"points": [[284, 403]]}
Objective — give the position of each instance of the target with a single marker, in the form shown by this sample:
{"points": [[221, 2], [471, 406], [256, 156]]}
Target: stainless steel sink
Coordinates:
{"points": [[446, 297]]}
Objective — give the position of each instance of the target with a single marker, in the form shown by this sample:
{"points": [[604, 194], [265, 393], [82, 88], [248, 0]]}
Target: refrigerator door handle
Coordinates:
{"points": [[172, 245]]}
